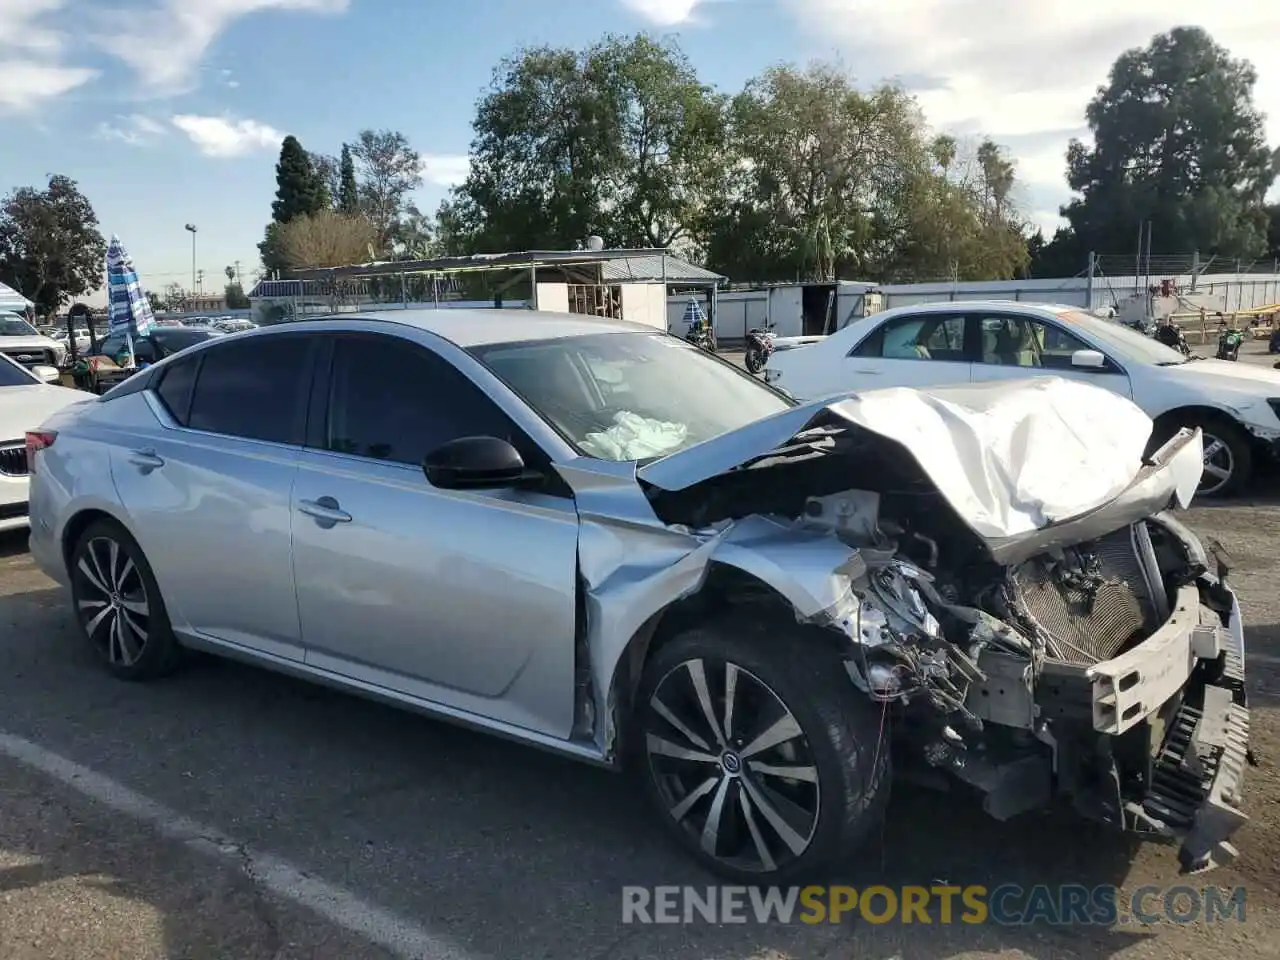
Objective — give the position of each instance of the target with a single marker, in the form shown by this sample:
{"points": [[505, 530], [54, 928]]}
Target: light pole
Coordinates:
{"points": [[191, 228]]}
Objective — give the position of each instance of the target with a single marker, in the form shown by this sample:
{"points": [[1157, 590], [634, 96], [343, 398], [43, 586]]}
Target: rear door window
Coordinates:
{"points": [[176, 387], [255, 389]]}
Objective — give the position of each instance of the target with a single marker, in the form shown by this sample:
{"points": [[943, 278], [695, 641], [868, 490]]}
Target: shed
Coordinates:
{"points": [[12, 301], [629, 284]]}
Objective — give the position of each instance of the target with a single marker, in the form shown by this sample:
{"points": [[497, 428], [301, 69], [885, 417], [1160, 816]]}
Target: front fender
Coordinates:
{"points": [[634, 572]]}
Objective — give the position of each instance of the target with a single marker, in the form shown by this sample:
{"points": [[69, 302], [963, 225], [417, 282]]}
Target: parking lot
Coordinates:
{"points": [[228, 812]]}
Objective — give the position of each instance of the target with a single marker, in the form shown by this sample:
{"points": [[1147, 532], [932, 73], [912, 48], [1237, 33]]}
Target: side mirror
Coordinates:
{"points": [[46, 373], [474, 463], [1088, 360]]}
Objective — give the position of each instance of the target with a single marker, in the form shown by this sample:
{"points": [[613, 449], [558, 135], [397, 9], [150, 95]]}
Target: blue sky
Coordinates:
{"points": [[170, 111]]}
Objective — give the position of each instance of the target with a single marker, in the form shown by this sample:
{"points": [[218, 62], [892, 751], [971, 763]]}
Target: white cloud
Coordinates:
{"points": [[164, 42], [664, 13], [1024, 72], [135, 129], [227, 137], [31, 65], [445, 169]]}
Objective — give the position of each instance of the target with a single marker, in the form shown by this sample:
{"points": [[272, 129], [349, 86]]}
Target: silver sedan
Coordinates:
{"points": [[589, 536]]}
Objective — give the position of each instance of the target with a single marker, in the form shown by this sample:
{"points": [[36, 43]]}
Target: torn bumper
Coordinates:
{"points": [[1197, 777]]}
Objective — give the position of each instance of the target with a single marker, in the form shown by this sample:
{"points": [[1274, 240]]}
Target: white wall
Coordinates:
{"points": [[643, 303], [553, 296], [736, 313]]}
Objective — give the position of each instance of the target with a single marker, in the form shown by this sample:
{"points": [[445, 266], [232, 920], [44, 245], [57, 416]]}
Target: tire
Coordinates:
{"points": [[754, 360], [781, 683], [118, 604], [1235, 454]]}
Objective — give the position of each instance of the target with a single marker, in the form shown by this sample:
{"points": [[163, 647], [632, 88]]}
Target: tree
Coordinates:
{"points": [[389, 171], [300, 192], [157, 305], [619, 139], [325, 239], [1273, 231], [327, 172], [235, 297], [1177, 141], [50, 247], [348, 194]]}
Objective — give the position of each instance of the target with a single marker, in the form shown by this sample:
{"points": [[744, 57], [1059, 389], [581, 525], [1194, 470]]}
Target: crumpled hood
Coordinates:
{"points": [[1010, 457]]}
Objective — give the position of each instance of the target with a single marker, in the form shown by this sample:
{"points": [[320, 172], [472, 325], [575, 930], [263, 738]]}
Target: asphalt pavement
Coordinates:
{"points": [[230, 813]]}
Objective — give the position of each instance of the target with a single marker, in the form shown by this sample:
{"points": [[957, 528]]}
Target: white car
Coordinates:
{"points": [[1236, 405], [24, 344], [25, 402]]}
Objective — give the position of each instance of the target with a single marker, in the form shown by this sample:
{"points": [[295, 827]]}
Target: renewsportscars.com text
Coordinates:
{"points": [[1008, 904]]}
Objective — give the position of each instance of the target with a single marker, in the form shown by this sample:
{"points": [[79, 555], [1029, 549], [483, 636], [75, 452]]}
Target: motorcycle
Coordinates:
{"points": [[759, 347], [701, 335], [1171, 335], [1229, 341]]}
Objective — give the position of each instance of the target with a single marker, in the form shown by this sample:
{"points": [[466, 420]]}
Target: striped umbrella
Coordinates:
{"points": [[129, 310], [693, 312]]}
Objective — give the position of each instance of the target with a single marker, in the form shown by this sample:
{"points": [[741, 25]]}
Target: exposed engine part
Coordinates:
{"points": [[1088, 602], [852, 515]]}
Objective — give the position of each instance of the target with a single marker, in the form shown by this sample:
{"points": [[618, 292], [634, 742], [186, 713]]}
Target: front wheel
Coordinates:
{"points": [[1228, 453], [760, 756], [754, 359]]}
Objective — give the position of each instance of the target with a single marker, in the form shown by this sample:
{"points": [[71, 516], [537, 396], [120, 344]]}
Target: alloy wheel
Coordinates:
{"points": [[111, 601], [1219, 465], [732, 765]]}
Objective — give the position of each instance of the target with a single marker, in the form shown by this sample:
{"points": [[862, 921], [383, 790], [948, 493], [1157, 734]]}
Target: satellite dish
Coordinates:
{"points": [[595, 243]]}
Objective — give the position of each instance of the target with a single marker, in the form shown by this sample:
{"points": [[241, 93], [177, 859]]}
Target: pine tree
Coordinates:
{"points": [[348, 197], [299, 189]]}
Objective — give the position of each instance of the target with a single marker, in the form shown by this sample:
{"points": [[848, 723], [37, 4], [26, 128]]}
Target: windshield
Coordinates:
{"points": [[1128, 343], [11, 326], [13, 375], [630, 396]]}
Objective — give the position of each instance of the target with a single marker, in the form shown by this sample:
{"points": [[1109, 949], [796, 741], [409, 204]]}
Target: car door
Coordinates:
{"points": [[1016, 346], [914, 350], [207, 488], [464, 598]]}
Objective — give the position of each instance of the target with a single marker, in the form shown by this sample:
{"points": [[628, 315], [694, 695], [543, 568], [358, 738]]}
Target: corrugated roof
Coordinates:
{"points": [[649, 267], [11, 299], [641, 264]]}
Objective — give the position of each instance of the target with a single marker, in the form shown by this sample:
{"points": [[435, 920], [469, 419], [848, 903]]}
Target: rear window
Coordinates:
{"points": [[175, 388], [254, 388]]}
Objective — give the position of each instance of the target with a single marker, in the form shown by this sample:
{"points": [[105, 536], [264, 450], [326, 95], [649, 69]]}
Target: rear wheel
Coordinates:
{"points": [[758, 753], [118, 604]]}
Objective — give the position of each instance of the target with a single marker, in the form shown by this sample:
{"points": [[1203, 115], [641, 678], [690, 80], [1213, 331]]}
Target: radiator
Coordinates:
{"points": [[1094, 600]]}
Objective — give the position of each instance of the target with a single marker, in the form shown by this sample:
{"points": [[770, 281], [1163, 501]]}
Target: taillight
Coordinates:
{"points": [[38, 440]]}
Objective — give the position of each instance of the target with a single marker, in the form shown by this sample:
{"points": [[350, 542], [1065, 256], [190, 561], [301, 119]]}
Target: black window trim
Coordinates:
{"points": [[318, 408], [975, 318], [310, 344]]}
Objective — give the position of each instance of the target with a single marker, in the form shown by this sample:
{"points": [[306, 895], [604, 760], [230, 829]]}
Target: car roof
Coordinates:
{"points": [[480, 327], [968, 306]]}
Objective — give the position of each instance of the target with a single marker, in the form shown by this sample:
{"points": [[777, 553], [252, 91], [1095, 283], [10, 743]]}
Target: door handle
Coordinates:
{"points": [[325, 510], [146, 459]]}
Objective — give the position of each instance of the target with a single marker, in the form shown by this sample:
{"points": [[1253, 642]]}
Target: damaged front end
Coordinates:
{"points": [[1093, 656]]}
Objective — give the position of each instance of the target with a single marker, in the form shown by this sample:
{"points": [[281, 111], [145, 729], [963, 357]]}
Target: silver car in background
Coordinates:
{"points": [[592, 537]]}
